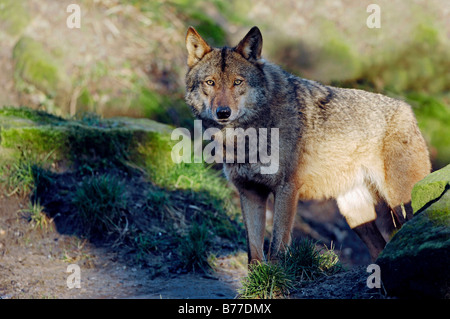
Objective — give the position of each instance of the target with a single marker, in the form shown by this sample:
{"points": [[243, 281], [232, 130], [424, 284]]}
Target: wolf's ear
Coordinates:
{"points": [[196, 46], [251, 45]]}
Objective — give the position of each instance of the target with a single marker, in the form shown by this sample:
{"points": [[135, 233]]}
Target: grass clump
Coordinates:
{"points": [[18, 177], [194, 249], [305, 262], [25, 175], [100, 202], [266, 281], [37, 216], [300, 262]]}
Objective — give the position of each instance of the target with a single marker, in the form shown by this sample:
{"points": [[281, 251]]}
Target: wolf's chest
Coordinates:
{"points": [[250, 173]]}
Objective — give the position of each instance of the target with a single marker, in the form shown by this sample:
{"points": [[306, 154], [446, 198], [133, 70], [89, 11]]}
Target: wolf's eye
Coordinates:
{"points": [[237, 82], [210, 82]]}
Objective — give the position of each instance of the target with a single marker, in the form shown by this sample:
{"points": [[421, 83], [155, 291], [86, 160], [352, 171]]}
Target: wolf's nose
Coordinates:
{"points": [[223, 112]]}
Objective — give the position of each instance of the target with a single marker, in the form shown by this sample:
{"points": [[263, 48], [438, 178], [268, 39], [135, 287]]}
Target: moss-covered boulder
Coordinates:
{"points": [[14, 16], [37, 67], [41, 137], [416, 261], [88, 142], [430, 188]]}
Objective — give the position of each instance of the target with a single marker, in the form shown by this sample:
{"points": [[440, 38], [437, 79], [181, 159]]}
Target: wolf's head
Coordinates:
{"points": [[225, 86]]}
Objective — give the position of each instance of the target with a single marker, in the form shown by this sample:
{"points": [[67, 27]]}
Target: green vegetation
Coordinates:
{"points": [[194, 249], [433, 116], [14, 16], [300, 262], [266, 281], [412, 65], [37, 67], [421, 247], [117, 182], [419, 66], [126, 186], [100, 202], [303, 261], [37, 216], [430, 189]]}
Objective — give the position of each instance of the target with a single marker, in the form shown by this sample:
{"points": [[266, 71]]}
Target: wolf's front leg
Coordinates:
{"points": [[253, 204], [286, 200]]}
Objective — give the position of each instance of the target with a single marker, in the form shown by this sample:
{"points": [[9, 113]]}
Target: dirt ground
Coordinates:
{"points": [[34, 264]]}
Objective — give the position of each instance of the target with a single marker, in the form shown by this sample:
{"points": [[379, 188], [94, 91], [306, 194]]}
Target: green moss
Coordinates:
{"points": [[430, 229], [37, 116], [90, 143], [88, 138], [151, 151], [430, 188], [433, 117], [36, 66], [40, 141], [14, 16], [415, 261]]}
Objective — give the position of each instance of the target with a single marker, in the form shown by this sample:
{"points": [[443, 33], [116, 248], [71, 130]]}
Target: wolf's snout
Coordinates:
{"points": [[223, 112]]}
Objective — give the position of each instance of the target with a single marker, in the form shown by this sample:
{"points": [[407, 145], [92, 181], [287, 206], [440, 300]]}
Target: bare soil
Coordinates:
{"points": [[34, 261]]}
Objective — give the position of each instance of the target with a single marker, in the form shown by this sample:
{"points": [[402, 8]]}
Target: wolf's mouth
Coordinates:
{"points": [[223, 122]]}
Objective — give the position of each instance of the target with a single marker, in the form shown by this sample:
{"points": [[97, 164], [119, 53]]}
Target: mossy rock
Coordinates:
{"points": [[89, 141], [430, 188], [416, 261], [14, 16], [36, 66]]}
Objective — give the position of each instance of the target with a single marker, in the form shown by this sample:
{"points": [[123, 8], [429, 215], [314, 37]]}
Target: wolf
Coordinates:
{"points": [[362, 149]]}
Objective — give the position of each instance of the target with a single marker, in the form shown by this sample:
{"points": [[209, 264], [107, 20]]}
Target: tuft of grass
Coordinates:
{"points": [[305, 262], [145, 243], [100, 201], [19, 177], [194, 249], [156, 201], [26, 175], [302, 261], [266, 281], [37, 216], [329, 261]]}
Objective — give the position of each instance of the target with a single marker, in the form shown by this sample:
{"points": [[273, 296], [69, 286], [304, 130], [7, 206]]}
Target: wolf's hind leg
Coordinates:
{"points": [[357, 206]]}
